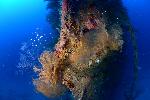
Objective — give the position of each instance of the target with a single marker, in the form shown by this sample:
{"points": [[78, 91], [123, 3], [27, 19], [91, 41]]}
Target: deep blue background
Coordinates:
{"points": [[18, 20], [139, 13], [22, 17]]}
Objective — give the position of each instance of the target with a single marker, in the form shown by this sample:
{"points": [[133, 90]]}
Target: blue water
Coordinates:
{"points": [[18, 20], [139, 13], [22, 20]]}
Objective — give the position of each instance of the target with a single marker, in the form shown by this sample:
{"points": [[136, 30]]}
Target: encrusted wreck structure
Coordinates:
{"points": [[90, 31]]}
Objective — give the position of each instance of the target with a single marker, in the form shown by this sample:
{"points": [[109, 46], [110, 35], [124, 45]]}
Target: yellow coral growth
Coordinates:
{"points": [[82, 44]]}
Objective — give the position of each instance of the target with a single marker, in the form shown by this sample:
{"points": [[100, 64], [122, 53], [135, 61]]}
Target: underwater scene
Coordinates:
{"points": [[74, 50]]}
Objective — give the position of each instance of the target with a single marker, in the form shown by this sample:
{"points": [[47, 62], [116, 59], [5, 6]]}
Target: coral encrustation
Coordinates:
{"points": [[83, 44]]}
